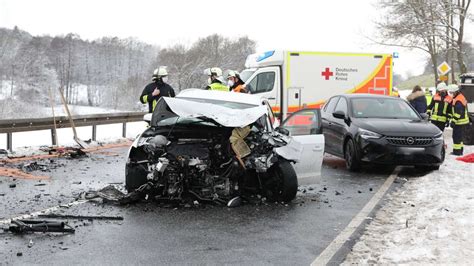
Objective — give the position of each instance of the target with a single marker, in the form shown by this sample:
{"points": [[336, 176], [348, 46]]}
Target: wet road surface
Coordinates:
{"points": [[153, 234]]}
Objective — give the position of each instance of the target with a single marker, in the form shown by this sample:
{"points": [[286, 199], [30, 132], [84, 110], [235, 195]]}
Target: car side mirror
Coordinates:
{"points": [[147, 118], [424, 116], [283, 131], [339, 114]]}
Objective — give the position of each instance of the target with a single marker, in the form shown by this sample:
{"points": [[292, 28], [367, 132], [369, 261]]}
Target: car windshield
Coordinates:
{"points": [[246, 74], [202, 120], [382, 108]]}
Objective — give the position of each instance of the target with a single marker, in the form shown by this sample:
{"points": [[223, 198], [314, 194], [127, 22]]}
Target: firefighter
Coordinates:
{"points": [[440, 107], [215, 80], [235, 83], [428, 96], [459, 118], [395, 92], [157, 89]]}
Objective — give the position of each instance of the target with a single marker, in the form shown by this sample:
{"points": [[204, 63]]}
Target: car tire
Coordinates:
{"points": [[351, 156], [284, 182], [134, 177]]}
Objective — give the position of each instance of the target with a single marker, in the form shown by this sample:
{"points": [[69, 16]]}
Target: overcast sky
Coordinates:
{"points": [[337, 25]]}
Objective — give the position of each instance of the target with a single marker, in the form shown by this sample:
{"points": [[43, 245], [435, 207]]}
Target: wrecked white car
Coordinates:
{"points": [[215, 146]]}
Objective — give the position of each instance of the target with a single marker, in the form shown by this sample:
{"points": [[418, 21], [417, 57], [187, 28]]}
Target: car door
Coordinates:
{"points": [[305, 127], [339, 126], [327, 122]]}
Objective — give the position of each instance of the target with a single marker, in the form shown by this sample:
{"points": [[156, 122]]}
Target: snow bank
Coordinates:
{"points": [[430, 220]]}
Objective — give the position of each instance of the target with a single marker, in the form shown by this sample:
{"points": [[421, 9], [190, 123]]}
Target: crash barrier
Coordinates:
{"points": [[21, 125]]}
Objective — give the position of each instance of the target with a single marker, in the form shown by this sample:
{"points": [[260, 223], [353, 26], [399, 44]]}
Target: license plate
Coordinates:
{"points": [[410, 150]]}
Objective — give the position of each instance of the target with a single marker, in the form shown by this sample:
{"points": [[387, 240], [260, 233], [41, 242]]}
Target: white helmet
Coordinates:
{"points": [[452, 88], [441, 86], [233, 73], [160, 72], [213, 71]]}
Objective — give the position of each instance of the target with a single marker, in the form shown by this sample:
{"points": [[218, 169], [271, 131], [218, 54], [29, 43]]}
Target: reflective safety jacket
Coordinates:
{"points": [[459, 111], [217, 86], [238, 87], [428, 97], [440, 108]]}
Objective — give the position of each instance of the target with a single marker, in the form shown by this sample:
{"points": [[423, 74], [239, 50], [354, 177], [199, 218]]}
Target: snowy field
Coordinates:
{"points": [[5, 89], [80, 110], [105, 133], [430, 220]]}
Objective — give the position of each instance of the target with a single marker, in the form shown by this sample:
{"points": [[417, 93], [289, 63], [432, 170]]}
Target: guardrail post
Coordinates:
{"points": [[94, 132], [124, 130], [53, 137], [10, 141]]}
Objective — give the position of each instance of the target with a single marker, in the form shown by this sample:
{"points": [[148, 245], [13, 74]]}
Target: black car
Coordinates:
{"points": [[367, 128]]}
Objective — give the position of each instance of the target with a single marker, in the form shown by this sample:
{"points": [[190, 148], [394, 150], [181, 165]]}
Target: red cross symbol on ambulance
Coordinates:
{"points": [[327, 73]]}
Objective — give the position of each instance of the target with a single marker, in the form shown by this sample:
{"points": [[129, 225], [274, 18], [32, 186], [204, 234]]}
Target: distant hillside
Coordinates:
{"points": [[426, 80]]}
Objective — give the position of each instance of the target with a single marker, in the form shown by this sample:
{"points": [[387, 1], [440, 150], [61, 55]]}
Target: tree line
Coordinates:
{"points": [[436, 27], [110, 71]]}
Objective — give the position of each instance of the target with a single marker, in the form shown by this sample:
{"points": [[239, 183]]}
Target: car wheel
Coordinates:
{"points": [[283, 183], [135, 176], [351, 157]]}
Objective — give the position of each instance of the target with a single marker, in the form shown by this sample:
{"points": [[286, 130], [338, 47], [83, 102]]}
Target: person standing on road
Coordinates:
{"points": [[235, 83], [215, 80], [428, 96], [418, 100], [459, 118], [440, 107], [157, 89]]}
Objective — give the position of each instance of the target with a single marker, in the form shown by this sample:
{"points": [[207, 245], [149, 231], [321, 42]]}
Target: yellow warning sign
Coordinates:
{"points": [[444, 68]]}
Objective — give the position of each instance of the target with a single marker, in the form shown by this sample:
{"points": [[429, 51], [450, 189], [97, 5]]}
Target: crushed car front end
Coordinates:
{"points": [[213, 151]]}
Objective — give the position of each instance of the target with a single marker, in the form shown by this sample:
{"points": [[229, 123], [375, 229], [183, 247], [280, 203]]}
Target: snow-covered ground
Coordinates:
{"points": [[430, 220], [79, 110], [5, 89], [105, 133]]}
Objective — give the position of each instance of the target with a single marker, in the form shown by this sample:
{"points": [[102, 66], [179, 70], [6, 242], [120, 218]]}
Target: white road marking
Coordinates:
{"points": [[338, 242], [45, 211]]}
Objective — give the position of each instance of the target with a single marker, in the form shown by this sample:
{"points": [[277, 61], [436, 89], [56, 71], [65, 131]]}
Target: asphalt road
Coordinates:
{"points": [[154, 234]]}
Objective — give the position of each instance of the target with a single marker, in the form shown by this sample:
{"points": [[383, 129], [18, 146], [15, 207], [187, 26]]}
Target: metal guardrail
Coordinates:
{"points": [[21, 125]]}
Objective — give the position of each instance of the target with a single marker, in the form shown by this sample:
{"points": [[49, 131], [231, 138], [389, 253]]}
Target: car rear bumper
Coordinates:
{"points": [[380, 151]]}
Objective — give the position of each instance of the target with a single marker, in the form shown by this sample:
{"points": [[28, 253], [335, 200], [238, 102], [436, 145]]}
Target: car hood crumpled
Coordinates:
{"points": [[224, 116]]}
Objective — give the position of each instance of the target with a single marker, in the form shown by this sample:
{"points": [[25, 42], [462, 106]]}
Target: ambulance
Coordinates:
{"points": [[292, 80]]}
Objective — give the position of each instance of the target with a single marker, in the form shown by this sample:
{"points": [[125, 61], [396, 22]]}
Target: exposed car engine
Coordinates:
{"points": [[215, 168]]}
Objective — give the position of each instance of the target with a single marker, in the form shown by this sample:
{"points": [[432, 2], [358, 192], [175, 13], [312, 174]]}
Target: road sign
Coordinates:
{"points": [[443, 78], [444, 68]]}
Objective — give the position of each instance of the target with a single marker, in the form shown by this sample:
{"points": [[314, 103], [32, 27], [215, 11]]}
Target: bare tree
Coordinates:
{"points": [[432, 26]]}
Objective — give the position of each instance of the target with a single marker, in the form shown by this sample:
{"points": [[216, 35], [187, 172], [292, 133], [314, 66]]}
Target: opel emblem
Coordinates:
{"points": [[410, 140]]}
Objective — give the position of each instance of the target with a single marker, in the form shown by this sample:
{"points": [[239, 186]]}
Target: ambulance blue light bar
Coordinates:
{"points": [[265, 55]]}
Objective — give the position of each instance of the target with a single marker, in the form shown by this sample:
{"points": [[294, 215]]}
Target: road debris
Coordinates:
{"points": [[13, 185], [80, 217], [34, 166], [17, 173], [42, 226]]}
